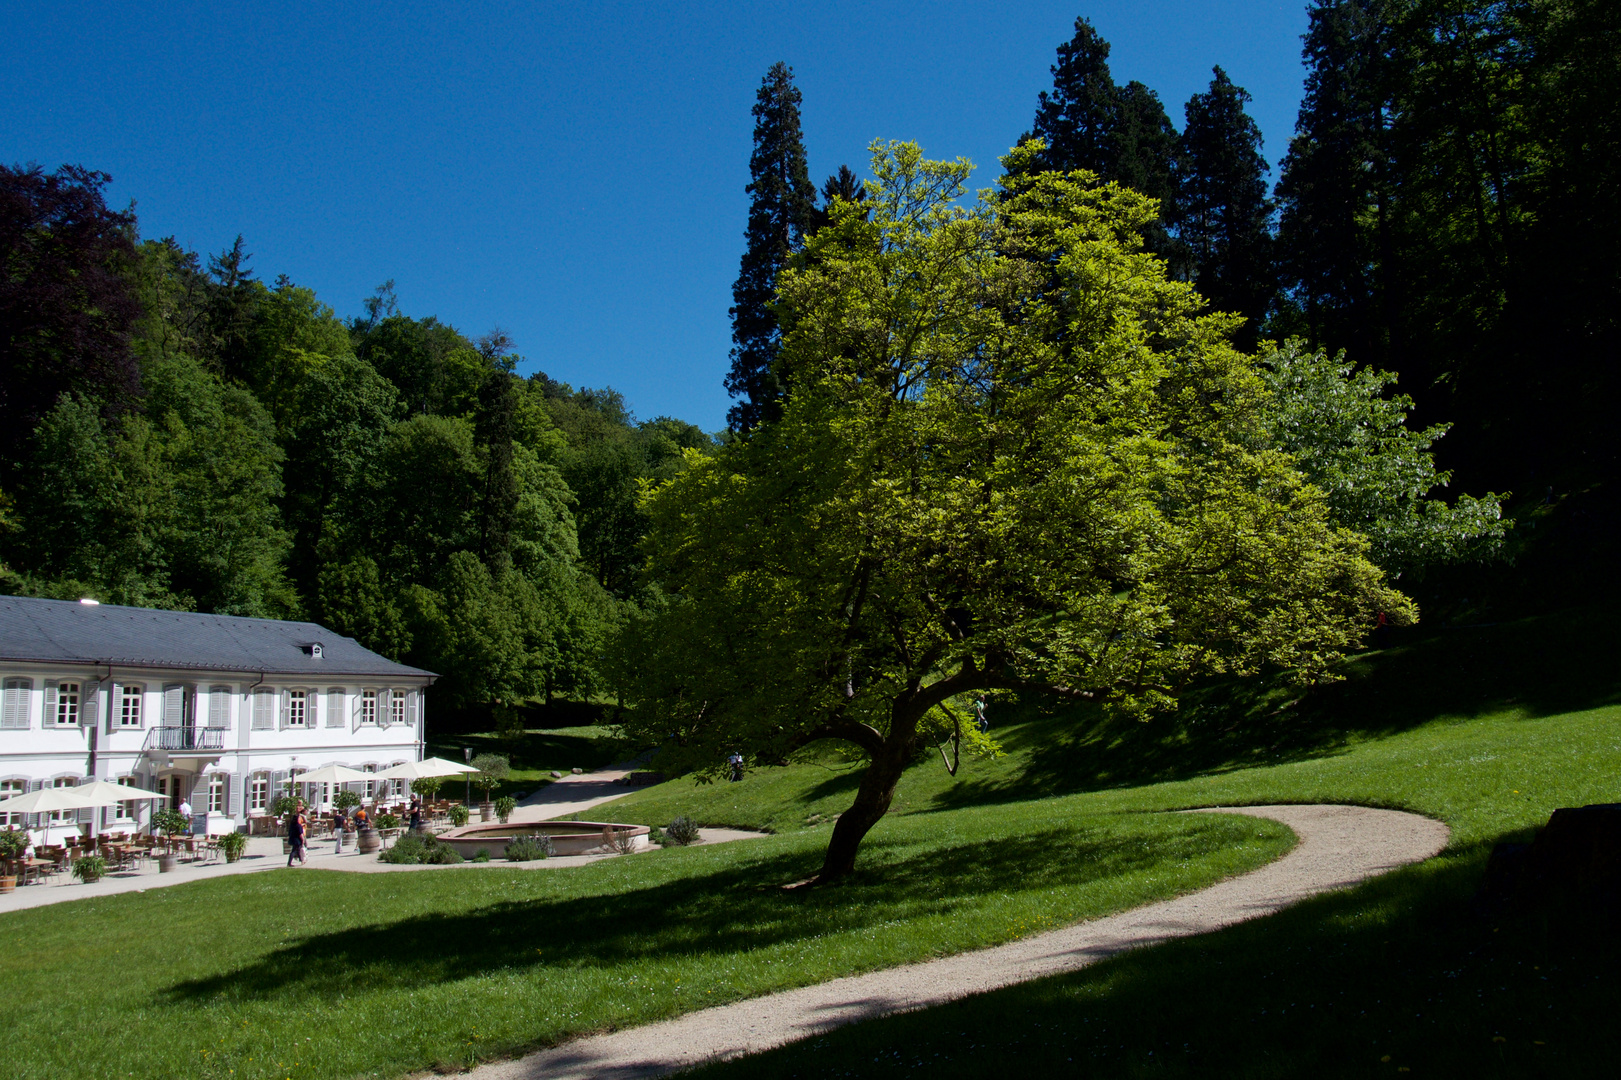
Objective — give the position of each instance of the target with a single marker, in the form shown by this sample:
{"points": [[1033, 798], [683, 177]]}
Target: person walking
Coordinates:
{"points": [[416, 815], [979, 715], [297, 829], [338, 825]]}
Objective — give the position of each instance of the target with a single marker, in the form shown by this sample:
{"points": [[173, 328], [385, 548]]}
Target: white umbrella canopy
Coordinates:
{"points": [[107, 793], [415, 770], [334, 774], [46, 799]]}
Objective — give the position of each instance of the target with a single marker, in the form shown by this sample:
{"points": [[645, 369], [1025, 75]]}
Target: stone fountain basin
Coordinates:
{"points": [[568, 837]]}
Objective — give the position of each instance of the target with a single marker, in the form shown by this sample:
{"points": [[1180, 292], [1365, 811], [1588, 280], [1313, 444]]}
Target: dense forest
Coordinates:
{"points": [[182, 434], [1442, 238]]}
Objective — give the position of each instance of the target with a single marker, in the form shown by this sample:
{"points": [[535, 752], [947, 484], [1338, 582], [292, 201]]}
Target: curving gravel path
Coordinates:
{"points": [[1339, 847]]}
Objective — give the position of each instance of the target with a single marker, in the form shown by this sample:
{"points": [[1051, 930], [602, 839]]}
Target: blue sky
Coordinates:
{"points": [[573, 173]]}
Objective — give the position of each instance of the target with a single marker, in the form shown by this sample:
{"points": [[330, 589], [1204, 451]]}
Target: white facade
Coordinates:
{"points": [[224, 741]]}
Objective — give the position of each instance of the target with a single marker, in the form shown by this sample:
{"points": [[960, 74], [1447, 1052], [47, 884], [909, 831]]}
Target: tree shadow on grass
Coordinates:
{"points": [[1539, 667], [732, 911], [1400, 972]]}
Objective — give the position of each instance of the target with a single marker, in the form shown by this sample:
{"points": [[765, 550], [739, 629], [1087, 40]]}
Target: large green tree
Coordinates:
{"points": [[1016, 456], [782, 200]]}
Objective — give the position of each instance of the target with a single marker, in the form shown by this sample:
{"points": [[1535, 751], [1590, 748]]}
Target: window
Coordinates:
{"points": [[334, 707], [264, 709], [368, 707], [8, 788], [259, 792], [14, 707], [295, 708], [371, 785], [59, 817], [219, 706], [216, 793], [66, 713], [127, 810], [397, 707], [129, 706]]}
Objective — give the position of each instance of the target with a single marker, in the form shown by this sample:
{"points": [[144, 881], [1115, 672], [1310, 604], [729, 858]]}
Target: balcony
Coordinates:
{"points": [[184, 739]]}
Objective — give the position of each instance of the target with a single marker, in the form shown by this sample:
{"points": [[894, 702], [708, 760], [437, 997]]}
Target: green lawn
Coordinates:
{"points": [[322, 973], [381, 975], [1402, 976], [535, 756]]}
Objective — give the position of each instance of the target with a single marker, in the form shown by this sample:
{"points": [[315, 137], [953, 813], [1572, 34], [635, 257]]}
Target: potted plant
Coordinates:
{"points": [[89, 868], [427, 787], [233, 844], [13, 842], [458, 815], [492, 769], [172, 823], [504, 806]]}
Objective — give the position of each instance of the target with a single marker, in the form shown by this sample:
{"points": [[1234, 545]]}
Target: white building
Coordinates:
{"points": [[215, 709]]}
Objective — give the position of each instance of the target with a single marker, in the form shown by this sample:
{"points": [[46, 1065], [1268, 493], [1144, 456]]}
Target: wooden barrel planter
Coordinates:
{"points": [[167, 861], [368, 842], [8, 883]]}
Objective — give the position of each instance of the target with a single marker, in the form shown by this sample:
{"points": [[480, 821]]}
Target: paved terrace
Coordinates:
{"points": [[570, 795]]}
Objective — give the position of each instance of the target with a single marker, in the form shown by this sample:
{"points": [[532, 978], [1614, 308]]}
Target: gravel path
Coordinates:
{"points": [[1339, 846]]}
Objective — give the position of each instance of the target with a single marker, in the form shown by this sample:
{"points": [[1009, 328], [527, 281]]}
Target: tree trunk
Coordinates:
{"points": [[877, 791]]}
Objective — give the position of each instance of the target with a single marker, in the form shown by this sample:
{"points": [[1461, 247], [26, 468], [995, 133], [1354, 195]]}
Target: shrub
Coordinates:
{"points": [[529, 848], [504, 806], [283, 804], [458, 815], [418, 849], [233, 844], [13, 842], [683, 830], [481, 856], [388, 821], [346, 800], [88, 868]]}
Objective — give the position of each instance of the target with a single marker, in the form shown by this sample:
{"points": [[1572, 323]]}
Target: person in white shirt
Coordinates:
{"points": [[185, 808]]}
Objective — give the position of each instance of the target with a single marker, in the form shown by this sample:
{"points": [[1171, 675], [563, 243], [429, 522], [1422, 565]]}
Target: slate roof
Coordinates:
{"points": [[64, 631]]}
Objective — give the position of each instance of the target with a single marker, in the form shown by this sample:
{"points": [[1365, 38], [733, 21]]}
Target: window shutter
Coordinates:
{"points": [[113, 698], [234, 787], [219, 707], [354, 712], [334, 707], [385, 707], [47, 715], [89, 703], [14, 706], [312, 708], [174, 705], [264, 705], [286, 708]]}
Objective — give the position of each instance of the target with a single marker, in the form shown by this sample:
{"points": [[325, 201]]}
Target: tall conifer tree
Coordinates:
{"points": [[1225, 213], [782, 202], [1336, 181]]}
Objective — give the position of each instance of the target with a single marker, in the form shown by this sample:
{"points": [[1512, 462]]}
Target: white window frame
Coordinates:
{"points": [[64, 817], [259, 792], [68, 699], [216, 793], [396, 707], [298, 702], [130, 706], [13, 786], [129, 808], [18, 702], [368, 708]]}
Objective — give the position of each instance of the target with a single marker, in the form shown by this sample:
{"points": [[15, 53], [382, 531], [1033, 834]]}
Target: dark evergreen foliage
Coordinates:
{"points": [[1224, 218], [782, 201], [67, 307]]}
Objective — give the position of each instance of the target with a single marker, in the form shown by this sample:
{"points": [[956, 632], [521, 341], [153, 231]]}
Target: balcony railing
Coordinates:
{"points": [[185, 738]]}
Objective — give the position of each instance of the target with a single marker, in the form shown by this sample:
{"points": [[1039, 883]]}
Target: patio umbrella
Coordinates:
{"points": [[415, 770], [334, 774], [107, 793], [44, 800]]}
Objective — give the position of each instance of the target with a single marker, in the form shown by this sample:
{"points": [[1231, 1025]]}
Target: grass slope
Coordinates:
{"points": [[323, 974], [1489, 729]]}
